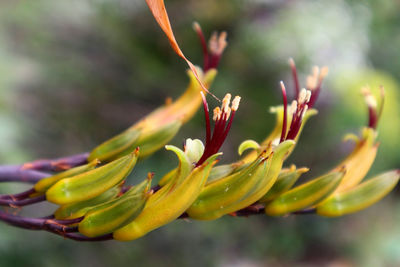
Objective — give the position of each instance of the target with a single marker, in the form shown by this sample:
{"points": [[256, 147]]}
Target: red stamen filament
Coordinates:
{"points": [[296, 122], [373, 117], [203, 43], [220, 131], [295, 77], [284, 123], [315, 93]]}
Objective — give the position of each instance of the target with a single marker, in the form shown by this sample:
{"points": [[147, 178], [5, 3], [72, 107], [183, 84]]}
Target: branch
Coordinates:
{"points": [[32, 172], [58, 227], [16, 173], [56, 165], [23, 202], [54, 226]]}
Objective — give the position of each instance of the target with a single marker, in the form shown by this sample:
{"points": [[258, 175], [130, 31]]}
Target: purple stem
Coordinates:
{"points": [[22, 202], [15, 173], [79, 237], [58, 227], [59, 164], [19, 196], [50, 225]]}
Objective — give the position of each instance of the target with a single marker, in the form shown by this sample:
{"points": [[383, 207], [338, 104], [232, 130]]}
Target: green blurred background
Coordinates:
{"points": [[73, 73]]}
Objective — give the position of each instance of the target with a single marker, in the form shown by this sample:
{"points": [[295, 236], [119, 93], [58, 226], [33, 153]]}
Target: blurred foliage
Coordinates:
{"points": [[77, 72]]}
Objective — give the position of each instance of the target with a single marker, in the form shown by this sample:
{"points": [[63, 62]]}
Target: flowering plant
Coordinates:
{"points": [[95, 203]]}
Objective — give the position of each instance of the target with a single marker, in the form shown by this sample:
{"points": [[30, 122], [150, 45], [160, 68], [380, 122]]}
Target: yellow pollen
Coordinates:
{"points": [[217, 43], [217, 114], [235, 103], [222, 43], [308, 96], [371, 101], [302, 96], [225, 102]]}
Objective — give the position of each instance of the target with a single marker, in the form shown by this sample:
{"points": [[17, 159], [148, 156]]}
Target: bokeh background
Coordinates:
{"points": [[74, 73]]}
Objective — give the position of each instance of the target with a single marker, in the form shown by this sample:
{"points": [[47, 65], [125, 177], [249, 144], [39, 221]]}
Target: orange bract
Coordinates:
{"points": [[159, 12]]}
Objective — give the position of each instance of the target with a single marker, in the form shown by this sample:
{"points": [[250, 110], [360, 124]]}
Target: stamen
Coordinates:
{"points": [[213, 43], [228, 113], [284, 124], [308, 96], [222, 43], [226, 102], [371, 101], [217, 114], [221, 128], [235, 103], [216, 45], [197, 29], [372, 106], [303, 96], [295, 77]]}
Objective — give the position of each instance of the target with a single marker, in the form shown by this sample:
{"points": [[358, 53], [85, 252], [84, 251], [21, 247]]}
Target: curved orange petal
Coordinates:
{"points": [[159, 12]]}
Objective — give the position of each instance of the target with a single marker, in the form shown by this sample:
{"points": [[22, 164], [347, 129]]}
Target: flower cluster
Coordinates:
{"points": [[95, 203]]}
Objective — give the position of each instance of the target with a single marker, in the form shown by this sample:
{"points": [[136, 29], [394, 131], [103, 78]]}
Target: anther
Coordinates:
{"points": [[217, 43], [222, 43], [217, 114], [302, 96], [225, 102], [308, 96], [235, 103], [371, 101]]}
